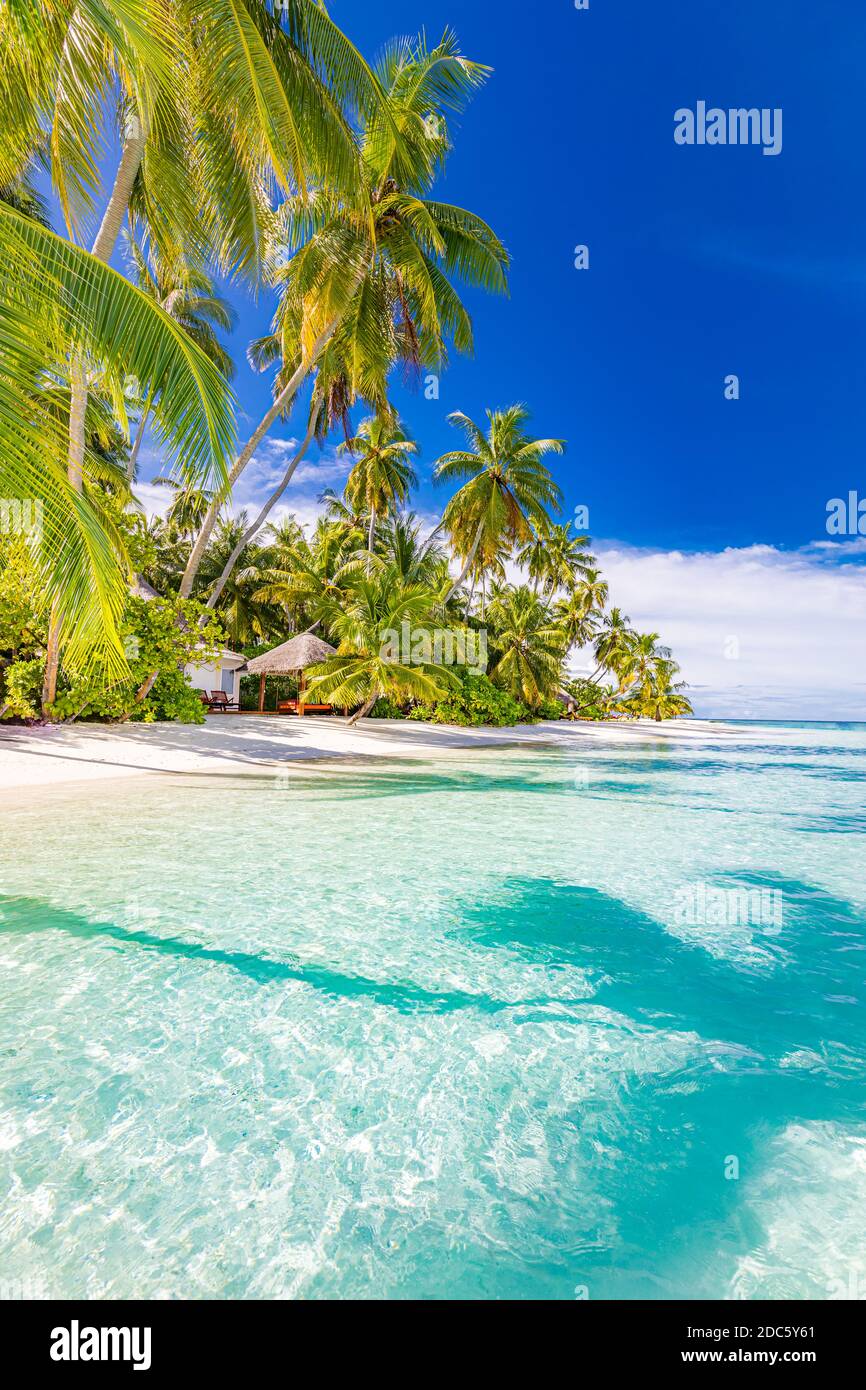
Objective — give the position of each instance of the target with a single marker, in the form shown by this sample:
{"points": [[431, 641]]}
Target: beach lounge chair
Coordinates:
{"points": [[294, 707], [220, 700]]}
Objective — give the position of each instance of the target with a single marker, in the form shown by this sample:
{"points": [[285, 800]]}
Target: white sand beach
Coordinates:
{"points": [[234, 745]]}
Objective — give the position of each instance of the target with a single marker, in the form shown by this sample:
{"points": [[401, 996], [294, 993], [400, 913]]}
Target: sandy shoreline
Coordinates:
{"points": [[235, 745]]}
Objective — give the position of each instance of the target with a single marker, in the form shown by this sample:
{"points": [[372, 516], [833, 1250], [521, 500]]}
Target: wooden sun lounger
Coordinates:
{"points": [[294, 707]]}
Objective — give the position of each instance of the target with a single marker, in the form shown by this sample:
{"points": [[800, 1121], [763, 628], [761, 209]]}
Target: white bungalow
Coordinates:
{"points": [[222, 673]]}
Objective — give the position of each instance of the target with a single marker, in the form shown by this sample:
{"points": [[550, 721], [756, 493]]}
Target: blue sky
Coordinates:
{"points": [[703, 261], [709, 514]]}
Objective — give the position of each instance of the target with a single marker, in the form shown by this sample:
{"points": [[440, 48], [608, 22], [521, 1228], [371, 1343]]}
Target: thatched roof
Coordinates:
{"points": [[294, 655]]}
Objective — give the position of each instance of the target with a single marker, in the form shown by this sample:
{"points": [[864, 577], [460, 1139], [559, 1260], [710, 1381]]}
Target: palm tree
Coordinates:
{"points": [[365, 279], [187, 295], [57, 300], [303, 579], [639, 660], [187, 507], [382, 475], [612, 644], [658, 695], [528, 646], [416, 561], [246, 616], [509, 488], [554, 558], [593, 592], [213, 102], [577, 611], [365, 621]]}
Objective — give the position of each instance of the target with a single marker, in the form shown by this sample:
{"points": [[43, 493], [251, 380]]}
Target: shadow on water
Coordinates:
{"points": [[637, 1204], [26, 916], [787, 1044]]}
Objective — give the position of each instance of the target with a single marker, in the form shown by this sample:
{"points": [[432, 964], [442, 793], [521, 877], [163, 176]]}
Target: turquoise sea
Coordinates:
{"points": [[525, 1023]]}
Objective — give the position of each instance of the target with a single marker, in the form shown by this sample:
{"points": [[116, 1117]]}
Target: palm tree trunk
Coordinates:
{"points": [[133, 453], [281, 403], [372, 530], [471, 592], [365, 708], [263, 514], [106, 239], [467, 567]]}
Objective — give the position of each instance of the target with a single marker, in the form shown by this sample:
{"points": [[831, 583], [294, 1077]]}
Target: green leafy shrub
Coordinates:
{"points": [[550, 709], [386, 708], [476, 701], [22, 681], [592, 701], [161, 636], [23, 629]]}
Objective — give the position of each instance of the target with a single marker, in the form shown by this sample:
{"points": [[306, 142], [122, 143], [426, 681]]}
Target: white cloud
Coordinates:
{"points": [[317, 471], [795, 619], [154, 500], [792, 624]]}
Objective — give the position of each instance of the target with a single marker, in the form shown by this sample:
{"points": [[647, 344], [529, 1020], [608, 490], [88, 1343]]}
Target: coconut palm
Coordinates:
{"points": [[612, 643], [382, 474], [636, 665], [367, 622], [554, 558], [187, 507], [593, 592], [509, 489], [658, 695], [367, 280], [246, 616], [302, 580], [58, 303], [528, 646], [576, 612], [214, 102]]}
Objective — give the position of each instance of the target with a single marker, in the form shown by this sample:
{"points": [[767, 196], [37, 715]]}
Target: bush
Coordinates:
{"points": [[591, 699], [162, 636], [550, 709], [476, 701], [386, 708], [21, 688]]}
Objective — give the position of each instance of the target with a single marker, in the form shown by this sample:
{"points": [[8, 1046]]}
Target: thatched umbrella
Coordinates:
{"points": [[289, 659]]}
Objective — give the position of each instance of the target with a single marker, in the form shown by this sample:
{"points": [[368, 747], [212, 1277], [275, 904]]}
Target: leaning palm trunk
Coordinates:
{"points": [[263, 514], [467, 567], [104, 244], [365, 708], [280, 405]]}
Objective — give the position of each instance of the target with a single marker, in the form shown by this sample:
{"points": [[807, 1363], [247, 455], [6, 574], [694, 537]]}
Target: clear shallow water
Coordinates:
{"points": [[441, 1032]]}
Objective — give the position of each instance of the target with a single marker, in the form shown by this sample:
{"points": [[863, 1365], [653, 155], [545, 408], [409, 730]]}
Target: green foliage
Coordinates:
{"points": [[386, 708], [159, 635], [23, 630], [476, 700], [592, 701], [21, 684], [549, 709]]}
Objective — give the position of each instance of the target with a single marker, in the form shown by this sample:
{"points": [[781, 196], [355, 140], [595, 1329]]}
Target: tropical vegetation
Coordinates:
{"points": [[260, 155]]}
